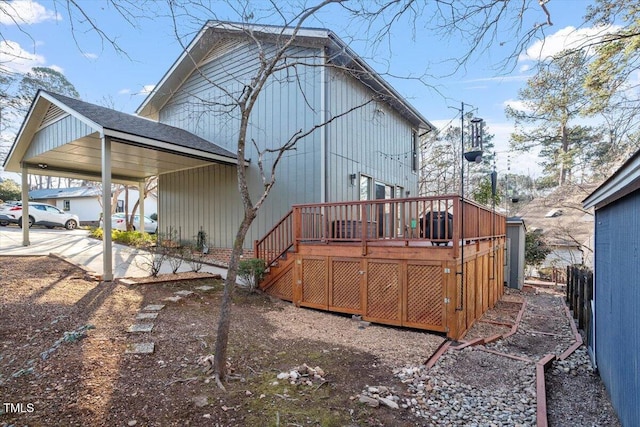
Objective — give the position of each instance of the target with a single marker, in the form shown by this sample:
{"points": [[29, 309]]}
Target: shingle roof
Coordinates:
{"points": [[139, 126], [72, 192]]}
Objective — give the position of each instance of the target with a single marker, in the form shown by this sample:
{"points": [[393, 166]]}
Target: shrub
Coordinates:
{"points": [[96, 233], [252, 271], [201, 241], [536, 249], [194, 257], [131, 238]]}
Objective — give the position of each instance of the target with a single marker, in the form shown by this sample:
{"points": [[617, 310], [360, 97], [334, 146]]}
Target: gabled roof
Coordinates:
{"points": [[140, 147], [139, 126], [71, 193], [66, 193], [338, 52], [623, 181]]}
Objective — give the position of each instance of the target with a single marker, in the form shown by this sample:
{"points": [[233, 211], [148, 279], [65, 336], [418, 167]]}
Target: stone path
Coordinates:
{"points": [[149, 313]]}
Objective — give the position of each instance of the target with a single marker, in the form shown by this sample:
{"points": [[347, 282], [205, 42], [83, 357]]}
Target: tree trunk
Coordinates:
{"points": [[563, 156], [224, 322]]}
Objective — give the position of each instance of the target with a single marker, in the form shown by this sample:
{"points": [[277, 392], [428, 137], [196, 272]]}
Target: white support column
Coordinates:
{"points": [[107, 255], [141, 205], [25, 206]]}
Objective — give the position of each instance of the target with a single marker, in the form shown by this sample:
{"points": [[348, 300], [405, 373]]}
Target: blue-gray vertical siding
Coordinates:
{"points": [[56, 135], [288, 103], [617, 303], [373, 140]]}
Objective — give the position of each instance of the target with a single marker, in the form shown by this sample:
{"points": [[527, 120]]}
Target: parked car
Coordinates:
{"points": [[5, 218], [119, 222], [39, 214]]}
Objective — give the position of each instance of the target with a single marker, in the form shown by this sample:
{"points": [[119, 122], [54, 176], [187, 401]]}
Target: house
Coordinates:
{"points": [[342, 229], [370, 152], [616, 289], [85, 201], [566, 227]]}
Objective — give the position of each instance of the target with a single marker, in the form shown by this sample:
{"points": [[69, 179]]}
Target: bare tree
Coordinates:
{"points": [[277, 59], [474, 26], [150, 185]]}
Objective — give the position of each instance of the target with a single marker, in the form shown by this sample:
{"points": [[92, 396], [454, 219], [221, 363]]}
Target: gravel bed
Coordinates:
{"points": [[474, 387], [450, 393]]}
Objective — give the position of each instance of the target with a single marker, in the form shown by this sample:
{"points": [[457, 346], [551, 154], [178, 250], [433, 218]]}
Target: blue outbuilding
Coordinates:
{"points": [[616, 301]]}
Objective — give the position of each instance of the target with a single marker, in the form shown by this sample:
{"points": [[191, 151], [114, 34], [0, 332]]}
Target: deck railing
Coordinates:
{"points": [[419, 221], [277, 242]]}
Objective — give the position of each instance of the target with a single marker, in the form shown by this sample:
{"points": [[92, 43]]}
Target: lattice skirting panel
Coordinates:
{"points": [[314, 279], [383, 290], [345, 284], [283, 287], [425, 294]]}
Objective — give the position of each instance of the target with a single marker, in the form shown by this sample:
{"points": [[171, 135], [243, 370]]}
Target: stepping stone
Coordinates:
{"points": [[140, 348], [173, 299], [145, 316], [141, 327], [153, 307], [184, 293], [204, 288]]}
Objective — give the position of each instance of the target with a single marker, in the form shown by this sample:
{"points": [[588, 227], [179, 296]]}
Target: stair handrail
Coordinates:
{"points": [[271, 254]]}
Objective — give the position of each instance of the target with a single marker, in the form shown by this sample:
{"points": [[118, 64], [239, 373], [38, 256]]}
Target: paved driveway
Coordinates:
{"points": [[77, 246]]}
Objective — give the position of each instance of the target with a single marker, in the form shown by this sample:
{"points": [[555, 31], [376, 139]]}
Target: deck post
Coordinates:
{"points": [[365, 228], [297, 227], [457, 229]]}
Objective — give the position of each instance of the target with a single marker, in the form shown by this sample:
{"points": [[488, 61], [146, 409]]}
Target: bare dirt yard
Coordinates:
{"points": [[64, 360]]}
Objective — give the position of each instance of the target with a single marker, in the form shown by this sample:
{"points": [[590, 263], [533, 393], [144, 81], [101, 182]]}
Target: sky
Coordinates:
{"points": [[47, 36]]}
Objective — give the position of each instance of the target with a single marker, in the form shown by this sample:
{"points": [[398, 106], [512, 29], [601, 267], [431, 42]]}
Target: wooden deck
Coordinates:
{"points": [[396, 262]]}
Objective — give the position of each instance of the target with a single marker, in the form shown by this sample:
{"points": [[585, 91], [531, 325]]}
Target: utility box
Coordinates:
{"points": [[514, 261]]}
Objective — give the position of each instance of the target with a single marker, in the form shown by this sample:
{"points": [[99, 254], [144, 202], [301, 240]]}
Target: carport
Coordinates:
{"points": [[65, 137]]}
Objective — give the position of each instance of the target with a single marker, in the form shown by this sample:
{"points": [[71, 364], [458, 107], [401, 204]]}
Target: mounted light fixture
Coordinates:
{"points": [[352, 179], [43, 165]]}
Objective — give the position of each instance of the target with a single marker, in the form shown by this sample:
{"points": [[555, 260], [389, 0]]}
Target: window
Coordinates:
{"points": [[120, 206], [66, 205], [365, 187]]}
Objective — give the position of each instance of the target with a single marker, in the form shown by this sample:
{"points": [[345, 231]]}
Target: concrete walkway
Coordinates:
{"points": [[81, 249]]}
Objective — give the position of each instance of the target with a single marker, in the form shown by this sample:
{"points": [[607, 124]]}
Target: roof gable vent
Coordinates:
{"points": [[54, 113]]}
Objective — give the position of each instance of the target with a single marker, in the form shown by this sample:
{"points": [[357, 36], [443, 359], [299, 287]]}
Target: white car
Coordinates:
{"points": [[40, 214], [119, 222]]}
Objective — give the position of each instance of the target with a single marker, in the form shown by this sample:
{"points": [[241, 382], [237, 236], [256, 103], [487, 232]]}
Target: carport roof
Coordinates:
{"points": [[140, 147], [140, 126]]}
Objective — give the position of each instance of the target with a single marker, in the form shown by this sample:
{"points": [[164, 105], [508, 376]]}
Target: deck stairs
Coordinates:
{"points": [[276, 248]]}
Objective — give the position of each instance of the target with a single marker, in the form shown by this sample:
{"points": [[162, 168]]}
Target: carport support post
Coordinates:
{"points": [[141, 205], [25, 206], [107, 256]]}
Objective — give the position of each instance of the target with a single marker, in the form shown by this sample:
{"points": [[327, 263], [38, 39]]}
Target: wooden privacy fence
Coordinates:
{"points": [[393, 261], [580, 295]]}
